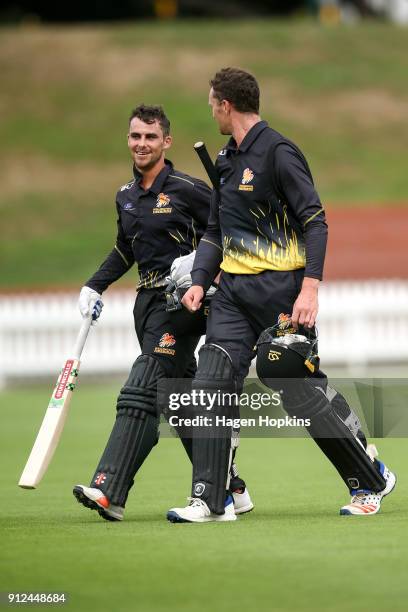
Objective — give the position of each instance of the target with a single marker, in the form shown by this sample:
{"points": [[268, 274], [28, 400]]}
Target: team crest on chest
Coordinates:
{"points": [[162, 204], [247, 177]]}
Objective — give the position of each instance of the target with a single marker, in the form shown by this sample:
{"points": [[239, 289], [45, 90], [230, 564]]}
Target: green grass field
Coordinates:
{"points": [[293, 552], [340, 93]]}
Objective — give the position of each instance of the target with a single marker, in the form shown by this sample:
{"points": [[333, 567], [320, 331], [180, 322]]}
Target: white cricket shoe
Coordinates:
{"points": [[198, 512], [95, 499], [242, 502], [365, 503], [242, 499]]}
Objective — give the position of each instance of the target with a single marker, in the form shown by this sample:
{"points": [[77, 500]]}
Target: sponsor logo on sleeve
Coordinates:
{"points": [[127, 186]]}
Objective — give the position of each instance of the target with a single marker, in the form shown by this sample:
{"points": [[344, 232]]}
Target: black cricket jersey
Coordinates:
{"points": [[266, 214], [154, 227]]}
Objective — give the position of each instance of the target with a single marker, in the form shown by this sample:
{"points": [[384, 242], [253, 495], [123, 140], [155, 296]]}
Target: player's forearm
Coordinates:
{"points": [[315, 244], [207, 261], [115, 265]]}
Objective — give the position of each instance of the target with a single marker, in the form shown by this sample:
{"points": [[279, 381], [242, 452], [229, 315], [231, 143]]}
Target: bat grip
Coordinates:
{"points": [[81, 338], [209, 167]]}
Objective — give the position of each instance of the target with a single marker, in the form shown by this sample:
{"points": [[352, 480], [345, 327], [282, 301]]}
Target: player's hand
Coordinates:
{"points": [[90, 303], [193, 298], [306, 307]]}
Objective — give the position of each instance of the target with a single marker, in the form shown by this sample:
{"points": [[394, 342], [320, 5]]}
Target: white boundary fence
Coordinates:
{"points": [[360, 323]]}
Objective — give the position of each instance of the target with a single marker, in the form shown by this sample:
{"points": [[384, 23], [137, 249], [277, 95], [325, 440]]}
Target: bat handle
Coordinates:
{"points": [[202, 153], [81, 338]]}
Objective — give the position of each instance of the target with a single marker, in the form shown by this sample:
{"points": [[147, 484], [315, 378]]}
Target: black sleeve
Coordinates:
{"points": [[200, 200], [209, 253], [117, 263], [295, 182]]}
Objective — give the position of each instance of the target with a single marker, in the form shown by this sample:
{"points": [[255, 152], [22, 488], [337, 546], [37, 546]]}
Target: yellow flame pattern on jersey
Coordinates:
{"points": [[150, 280], [272, 247]]}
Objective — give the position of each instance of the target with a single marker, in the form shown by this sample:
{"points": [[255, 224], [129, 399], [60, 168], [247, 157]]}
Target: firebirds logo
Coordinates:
{"points": [[284, 321], [165, 342], [162, 200], [285, 325], [247, 177], [162, 204]]}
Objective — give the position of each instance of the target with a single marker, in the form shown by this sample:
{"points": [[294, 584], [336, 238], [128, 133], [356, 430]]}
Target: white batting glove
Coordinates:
{"points": [[90, 303]]}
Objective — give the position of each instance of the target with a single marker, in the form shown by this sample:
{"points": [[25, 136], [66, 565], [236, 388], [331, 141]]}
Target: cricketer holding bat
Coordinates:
{"points": [[161, 215], [267, 231]]}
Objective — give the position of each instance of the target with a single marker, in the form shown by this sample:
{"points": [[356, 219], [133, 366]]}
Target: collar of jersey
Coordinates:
{"points": [[160, 179], [249, 139]]}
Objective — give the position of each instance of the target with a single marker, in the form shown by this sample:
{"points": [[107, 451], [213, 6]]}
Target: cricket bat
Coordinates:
{"points": [[55, 416], [203, 154]]}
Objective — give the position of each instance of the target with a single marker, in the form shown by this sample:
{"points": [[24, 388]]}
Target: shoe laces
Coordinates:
{"points": [[196, 502], [363, 497]]}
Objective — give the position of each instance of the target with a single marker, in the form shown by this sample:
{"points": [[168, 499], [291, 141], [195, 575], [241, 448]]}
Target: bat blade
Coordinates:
{"points": [[51, 427]]}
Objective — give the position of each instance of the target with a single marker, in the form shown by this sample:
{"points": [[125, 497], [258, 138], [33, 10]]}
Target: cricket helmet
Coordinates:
{"points": [[286, 353]]}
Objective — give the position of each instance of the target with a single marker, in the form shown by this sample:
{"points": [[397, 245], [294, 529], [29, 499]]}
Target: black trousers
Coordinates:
{"points": [[169, 337], [245, 305]]}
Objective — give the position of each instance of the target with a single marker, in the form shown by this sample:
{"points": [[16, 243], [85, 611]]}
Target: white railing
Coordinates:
{"points": [[360, 323], [364, 322]]}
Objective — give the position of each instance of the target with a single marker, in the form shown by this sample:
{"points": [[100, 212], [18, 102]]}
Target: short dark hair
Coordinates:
{"points": [[150, 114], [238, 87]]}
